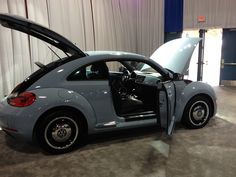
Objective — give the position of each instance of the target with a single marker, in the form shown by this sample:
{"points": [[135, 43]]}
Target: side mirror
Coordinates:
{"points": [[170, 75], [177, 76]]}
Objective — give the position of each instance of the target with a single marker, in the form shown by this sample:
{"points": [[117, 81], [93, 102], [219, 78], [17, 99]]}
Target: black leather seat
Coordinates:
{"points": [[126, 104], [99, 71], [131, 105]]}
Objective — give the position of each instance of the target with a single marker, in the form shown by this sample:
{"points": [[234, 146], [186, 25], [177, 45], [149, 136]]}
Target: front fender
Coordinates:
{"points": [[188, 92]]}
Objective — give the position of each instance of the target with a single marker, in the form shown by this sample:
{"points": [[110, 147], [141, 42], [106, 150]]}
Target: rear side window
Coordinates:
{"points": [[94, 71], [34, 77], [40, 73]]}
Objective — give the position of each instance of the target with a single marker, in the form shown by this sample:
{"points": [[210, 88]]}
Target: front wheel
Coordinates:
{"points": [[59, 132], [197, 112]]}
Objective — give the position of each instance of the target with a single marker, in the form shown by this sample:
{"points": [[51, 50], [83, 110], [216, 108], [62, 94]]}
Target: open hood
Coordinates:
{"points": [[175, 55], [29, 27]]}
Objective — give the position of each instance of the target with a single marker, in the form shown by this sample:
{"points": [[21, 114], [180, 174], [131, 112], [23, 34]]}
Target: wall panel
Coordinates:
{"points": [[218, 13]]}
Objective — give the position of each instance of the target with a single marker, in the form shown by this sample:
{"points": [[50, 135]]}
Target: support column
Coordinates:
{"points": [[200, 63]]}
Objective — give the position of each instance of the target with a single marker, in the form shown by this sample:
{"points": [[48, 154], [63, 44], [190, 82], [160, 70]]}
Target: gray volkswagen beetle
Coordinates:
{"points": [[92, 92]]}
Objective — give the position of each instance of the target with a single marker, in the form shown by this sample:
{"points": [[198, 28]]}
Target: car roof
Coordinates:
{"points": [[115, 54]]}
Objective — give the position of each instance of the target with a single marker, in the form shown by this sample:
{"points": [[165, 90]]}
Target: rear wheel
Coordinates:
{"points": [[197, 112], [60, 132]]}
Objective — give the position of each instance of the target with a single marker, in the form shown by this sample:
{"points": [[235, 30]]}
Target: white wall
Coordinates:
{"points": [[14, 50], [127, 25], [218, 13]]}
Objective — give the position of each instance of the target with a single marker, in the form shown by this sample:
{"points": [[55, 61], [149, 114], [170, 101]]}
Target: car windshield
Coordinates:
{"points": [[141, 67]]}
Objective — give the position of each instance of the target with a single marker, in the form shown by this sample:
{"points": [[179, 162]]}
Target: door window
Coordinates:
{"points": [[95, 71]]}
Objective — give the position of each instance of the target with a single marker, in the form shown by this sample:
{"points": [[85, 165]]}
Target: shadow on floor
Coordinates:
{"points": [[98, 139]]}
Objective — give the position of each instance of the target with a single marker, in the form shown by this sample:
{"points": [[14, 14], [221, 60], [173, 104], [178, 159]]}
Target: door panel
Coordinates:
{"points": [[98, 94], [228, 59], [167, 107]]}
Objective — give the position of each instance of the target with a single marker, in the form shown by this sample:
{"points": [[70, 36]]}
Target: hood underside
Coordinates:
{"points": [[176, 54]]}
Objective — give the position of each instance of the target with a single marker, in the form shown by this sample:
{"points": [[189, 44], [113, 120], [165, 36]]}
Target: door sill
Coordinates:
{"points": [[140, 116]]}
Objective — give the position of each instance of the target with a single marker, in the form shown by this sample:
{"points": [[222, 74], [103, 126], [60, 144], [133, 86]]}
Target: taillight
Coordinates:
{"points": [[22, 100]]}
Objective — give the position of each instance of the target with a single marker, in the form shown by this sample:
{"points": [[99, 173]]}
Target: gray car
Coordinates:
{"points": [[100, 91]]}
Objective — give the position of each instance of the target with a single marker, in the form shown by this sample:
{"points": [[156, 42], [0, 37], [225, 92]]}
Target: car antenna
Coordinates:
{"points": [[54, 52]]}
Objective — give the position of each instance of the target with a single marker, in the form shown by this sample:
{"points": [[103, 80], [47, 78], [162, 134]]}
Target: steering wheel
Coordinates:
{"points": [[125, 76]]}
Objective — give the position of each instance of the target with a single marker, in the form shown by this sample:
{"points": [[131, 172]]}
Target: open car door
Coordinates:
{"points": [[167, 104], [175, 56]]}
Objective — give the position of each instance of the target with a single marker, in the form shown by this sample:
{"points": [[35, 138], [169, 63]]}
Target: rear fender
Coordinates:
{"points": [[50, 98]]}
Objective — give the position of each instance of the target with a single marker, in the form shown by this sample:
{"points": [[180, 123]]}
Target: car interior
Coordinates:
{"points": [[129, 92], [133, 97]]}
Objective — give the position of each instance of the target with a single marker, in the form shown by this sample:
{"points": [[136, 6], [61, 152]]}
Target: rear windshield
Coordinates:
{"points": [[40, 73]]}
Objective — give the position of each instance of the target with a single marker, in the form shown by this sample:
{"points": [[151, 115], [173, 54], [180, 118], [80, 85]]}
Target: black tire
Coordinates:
{"points": [[60, 132], [197, 112]]}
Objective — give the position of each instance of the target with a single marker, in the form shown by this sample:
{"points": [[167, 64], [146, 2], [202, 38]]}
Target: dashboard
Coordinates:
{"points": [[150, 79]]}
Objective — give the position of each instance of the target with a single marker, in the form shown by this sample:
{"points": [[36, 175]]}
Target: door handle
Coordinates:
{"points": [[105, 92], [226, 64], [230, 64]]}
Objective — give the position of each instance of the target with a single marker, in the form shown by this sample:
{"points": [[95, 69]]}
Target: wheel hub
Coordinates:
{"points": [[198, 113], [61, 133]]}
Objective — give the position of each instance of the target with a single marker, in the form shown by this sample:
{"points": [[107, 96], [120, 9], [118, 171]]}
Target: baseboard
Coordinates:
{"points": [[228, 82]]}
